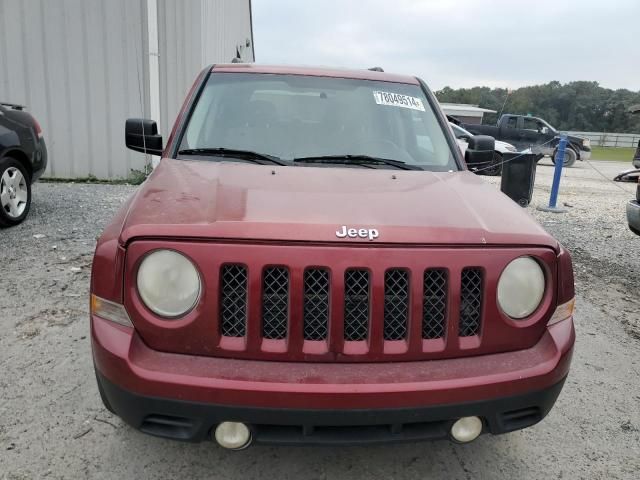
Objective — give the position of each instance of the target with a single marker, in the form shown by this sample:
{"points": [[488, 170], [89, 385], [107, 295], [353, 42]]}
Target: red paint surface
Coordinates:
{"points": [[204, 199], [258, 215], [198, 332], [124, 358]]}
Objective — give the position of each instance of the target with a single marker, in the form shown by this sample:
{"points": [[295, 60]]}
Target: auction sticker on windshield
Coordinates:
{"points": [[398, 100]]}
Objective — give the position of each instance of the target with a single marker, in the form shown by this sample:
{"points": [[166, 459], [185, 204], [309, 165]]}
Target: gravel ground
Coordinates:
{"points": [[52, 423]]}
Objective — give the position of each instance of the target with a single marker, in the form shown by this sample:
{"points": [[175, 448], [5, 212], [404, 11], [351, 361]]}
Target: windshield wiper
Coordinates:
{"points": [[255, 157], [356, 160]]}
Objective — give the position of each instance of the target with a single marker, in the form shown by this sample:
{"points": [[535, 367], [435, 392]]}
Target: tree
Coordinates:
{"points": [[578, 106]]}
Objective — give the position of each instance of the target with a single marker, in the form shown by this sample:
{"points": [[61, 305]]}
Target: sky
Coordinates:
{"points": [[458, 43]]}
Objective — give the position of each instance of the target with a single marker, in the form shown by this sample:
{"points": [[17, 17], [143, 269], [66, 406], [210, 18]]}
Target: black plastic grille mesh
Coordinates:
{"points": [[316, 304], [233, 301], [470, 301], [396, 304], [434, 303], [356, 304], [275, 302]]}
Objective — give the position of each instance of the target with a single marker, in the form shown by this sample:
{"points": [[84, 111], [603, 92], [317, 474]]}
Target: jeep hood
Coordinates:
{"points": [[241, 201]]}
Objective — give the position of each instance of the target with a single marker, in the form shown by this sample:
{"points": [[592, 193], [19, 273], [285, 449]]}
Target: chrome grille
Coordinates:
{"points": [[233, 301], [434, 303], [356, 304], [316, 304], [275, 302], [470, 301], [396, 304]]}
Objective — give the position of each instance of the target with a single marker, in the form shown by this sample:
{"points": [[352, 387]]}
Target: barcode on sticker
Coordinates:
{"points": [[398, 100]]}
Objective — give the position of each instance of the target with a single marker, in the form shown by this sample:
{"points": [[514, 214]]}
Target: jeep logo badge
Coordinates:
{"points": [[370, 233]]}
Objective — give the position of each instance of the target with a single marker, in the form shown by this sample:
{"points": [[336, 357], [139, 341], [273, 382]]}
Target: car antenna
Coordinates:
{"points": [[376, 69]]}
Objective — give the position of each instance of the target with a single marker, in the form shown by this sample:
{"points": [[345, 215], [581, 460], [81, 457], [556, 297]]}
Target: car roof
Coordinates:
{"points": [[315, 72]]}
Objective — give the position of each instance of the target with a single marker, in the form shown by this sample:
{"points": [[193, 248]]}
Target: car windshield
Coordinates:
{"points": [[293, 117]]}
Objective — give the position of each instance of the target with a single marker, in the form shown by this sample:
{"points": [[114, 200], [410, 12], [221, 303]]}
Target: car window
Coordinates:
{"points": [[532, 124], [293, 116], [512, 122]]}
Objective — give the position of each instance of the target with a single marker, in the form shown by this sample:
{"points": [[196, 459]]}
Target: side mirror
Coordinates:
{"points": [[141, 135], [479, 153]]}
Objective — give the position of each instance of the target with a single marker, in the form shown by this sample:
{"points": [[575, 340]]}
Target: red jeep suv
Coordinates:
{"points": [[312, 263]]}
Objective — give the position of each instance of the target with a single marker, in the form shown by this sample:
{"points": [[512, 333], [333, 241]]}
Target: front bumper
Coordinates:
{"points": [[184, 397], [633, 216], [194, 421]]}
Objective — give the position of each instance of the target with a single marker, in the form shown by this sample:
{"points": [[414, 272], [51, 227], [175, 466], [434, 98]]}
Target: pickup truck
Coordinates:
{"points": [[636, 158], [532, 132]]}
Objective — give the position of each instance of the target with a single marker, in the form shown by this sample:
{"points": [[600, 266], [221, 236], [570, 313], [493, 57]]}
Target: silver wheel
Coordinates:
{"points": [[14, 193]]}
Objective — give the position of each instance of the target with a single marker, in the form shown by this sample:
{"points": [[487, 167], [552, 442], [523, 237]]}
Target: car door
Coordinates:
{"points": [[537, 135], [8, 135], [512, 132]]}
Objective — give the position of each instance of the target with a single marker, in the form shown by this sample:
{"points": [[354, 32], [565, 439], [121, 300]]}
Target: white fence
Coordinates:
{"points": [[605, 139]]}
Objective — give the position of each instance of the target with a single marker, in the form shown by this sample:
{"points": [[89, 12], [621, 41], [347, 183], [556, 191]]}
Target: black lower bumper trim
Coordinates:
{"points": [[192, 421]]}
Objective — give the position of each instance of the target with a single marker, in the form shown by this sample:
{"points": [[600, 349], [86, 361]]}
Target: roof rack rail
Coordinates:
{"points": [[13, 106], [376, 69]]}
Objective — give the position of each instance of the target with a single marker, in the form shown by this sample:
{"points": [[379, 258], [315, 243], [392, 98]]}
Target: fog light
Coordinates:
{"points": [[233, 435], [466, 429]]}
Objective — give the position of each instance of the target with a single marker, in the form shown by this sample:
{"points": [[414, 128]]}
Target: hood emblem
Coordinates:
{"points": [[370, 233]]}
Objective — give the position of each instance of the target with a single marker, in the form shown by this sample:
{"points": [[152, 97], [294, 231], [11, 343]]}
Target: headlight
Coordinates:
{"points": [[168, 283], [521, 287], [586, 142]]}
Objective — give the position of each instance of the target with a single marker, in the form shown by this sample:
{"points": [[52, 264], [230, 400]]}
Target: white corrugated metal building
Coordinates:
{"points": [[83, 66], [465, 113]]}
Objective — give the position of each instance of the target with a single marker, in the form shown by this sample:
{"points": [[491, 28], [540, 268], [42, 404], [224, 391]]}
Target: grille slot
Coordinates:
{"points": [[233, 301], [434, 303], [396, 304], [470, 301], [275, 302], [316, 304], [356, 304]]}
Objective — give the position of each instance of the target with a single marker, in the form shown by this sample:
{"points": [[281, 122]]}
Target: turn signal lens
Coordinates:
{"points": [[114, 312], [563, 312]]}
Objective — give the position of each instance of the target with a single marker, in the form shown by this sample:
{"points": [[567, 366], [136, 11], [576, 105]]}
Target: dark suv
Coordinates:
{"points": [[23, 158]]}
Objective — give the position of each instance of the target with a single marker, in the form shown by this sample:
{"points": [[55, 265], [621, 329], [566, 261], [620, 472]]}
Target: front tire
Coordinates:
{"points": [[15, 192], [570, 157]]}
